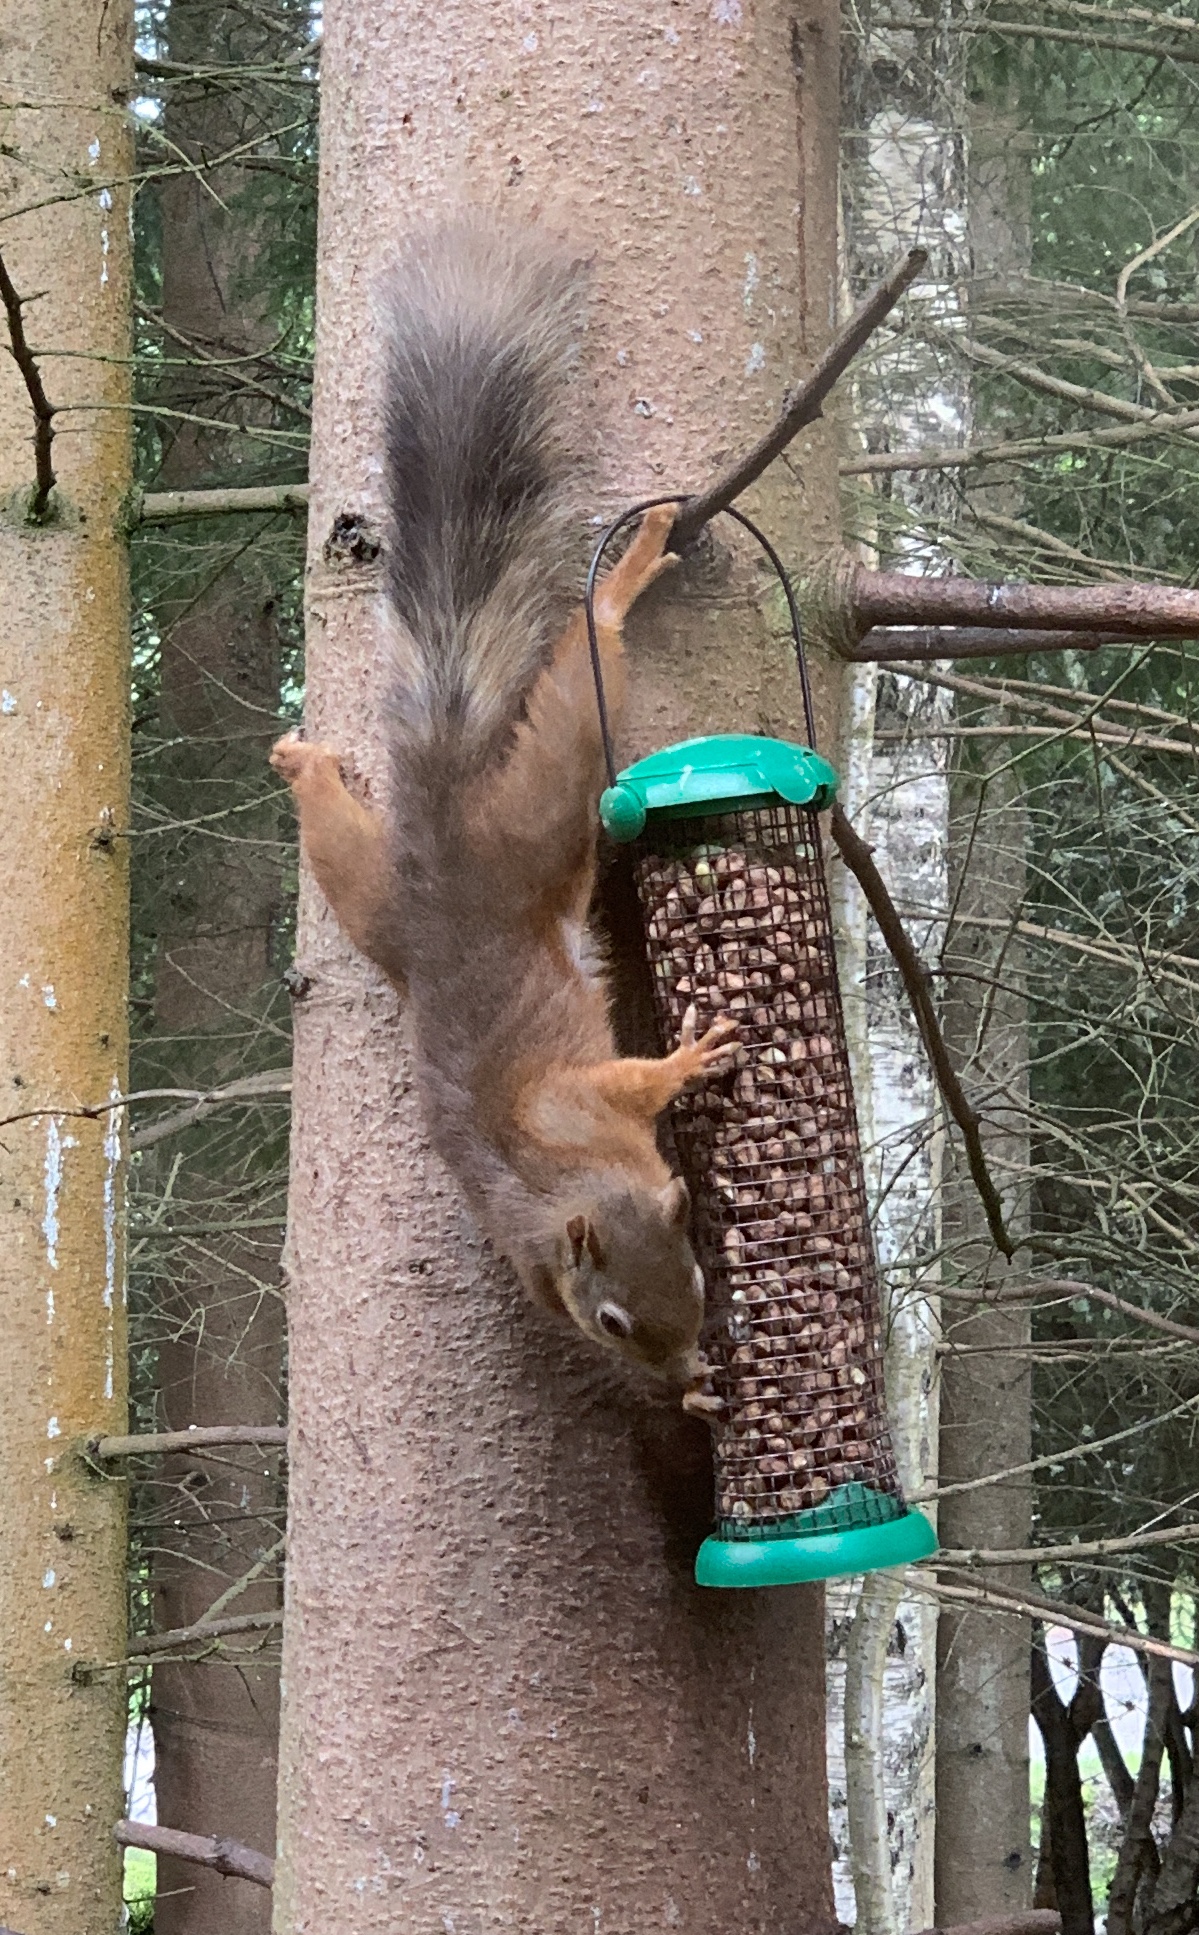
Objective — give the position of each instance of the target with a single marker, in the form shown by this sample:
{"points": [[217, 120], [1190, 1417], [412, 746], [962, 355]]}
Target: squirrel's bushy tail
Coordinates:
{"points": [[480, 326]]}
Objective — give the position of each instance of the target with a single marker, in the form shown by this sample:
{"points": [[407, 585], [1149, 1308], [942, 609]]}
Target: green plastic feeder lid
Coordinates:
{"points": [[719, 774], [773, 1561]]}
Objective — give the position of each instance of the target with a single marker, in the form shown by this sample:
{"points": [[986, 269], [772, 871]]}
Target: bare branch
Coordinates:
{"points": [[885, 644], [149, 1645], [247, 1088], [999, 1599], [1057, 1287], [43, 412], [1069, 1554], [171, 506], [207, 1851], [141, 1444], [860, 861], [966, 456], [803, 405], [898, 598]]}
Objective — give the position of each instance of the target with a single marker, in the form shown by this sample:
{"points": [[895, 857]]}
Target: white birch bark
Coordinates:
{"points": [[905, 186]]}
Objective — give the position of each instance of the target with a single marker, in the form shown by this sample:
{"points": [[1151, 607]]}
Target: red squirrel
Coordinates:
{"points": [[472, 891]]}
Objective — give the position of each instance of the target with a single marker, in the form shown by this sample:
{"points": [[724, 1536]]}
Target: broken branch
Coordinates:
{"points": [[802, 406], [206, 1850], [140, 1443], [151, 1644], [1070, 1554], [43, 411], [169, 506], [884, 644], [1142, 611], [1030, 1603]]}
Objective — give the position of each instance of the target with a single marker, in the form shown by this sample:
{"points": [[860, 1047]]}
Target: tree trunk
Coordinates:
{"points": [[1064, 1827], [219, 1316], [1174, 1909], [983, 1853], [1137, 1865], [64, 949], [983, 1862], [902, 186], [506, 1704]]}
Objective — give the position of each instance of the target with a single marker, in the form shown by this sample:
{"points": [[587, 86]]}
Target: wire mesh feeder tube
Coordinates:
{"points": [[730, 873]]}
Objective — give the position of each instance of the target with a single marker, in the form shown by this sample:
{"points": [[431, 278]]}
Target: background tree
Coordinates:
{"points": [[223, 342], [64, 697]]}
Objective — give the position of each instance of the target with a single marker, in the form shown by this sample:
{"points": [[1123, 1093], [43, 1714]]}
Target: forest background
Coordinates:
{"points": [[1031, 411]]}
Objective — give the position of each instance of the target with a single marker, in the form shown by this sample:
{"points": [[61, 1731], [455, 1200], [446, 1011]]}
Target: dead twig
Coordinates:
{"points": [[803, 404], [1031, 1603], [860, 861], [140, 1444], [206, 1850], [1056, 1287], [43, 410], [171, 506], [1069, 1554], [149, 1645]]}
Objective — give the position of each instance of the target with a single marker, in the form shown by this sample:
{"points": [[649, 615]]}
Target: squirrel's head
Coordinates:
{"points": [[628, 1276]]}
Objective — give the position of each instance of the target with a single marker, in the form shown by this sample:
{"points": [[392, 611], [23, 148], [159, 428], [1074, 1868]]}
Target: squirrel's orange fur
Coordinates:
{"points": [[473, 892]]}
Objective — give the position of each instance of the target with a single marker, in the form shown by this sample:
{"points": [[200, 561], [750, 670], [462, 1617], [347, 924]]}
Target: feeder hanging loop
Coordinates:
{"points": [[614, 529]]}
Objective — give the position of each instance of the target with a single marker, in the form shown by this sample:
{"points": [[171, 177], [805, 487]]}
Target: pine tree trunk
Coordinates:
{"points": [[983, 1857], [984, 1864], [505, 1701], [220, 1317], [64, 686]]}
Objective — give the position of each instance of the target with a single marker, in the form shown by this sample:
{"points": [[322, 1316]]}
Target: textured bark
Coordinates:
{"points": [[221, 1357], [893, 790], [1064, 1853], [1137, 1866], [64, 967], [1174, 1907], [506, 1705], [983, 1855], [983, 1861]]}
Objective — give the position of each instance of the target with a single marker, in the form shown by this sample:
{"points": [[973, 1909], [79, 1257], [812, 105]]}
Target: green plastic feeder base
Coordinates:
{"points": [[772, 1561]]}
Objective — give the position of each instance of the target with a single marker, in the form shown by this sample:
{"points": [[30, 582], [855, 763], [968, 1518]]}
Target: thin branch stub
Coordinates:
{"points": [[139, 1444], [206, 1850], [43, 410]]}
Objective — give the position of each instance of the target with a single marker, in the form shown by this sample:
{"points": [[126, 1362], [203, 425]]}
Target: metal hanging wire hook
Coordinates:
{"points": [[617, 525]]}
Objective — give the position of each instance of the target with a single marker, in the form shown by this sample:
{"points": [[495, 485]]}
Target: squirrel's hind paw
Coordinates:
{"points": [[297, 760]]}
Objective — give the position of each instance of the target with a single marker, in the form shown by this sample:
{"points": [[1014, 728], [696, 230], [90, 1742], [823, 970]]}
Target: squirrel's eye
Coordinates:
{"points": [[613, 1321]]}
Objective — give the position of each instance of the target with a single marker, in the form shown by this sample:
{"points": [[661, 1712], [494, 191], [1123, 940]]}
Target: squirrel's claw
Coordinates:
{"points": [[711, 1049], [296, 759]]}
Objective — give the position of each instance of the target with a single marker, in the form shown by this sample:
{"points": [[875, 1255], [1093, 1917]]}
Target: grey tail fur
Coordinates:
{"points": [[480, 325]]}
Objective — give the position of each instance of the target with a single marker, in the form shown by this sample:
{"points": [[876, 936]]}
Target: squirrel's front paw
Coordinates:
{"points": [[711, 1051], [297, 760]]}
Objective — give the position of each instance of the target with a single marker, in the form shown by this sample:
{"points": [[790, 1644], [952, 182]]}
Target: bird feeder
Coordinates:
{"points": [[729, 867]]}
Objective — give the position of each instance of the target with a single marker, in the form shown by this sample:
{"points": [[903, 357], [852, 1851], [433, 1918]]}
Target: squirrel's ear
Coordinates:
{"points": [[576, 1236], [675, 1200]]}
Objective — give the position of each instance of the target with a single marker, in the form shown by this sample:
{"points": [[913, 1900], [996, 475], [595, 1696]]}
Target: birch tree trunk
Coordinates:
{"points": [[505, 1703], [64, 681], [218, 1316], [903, 187]]}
